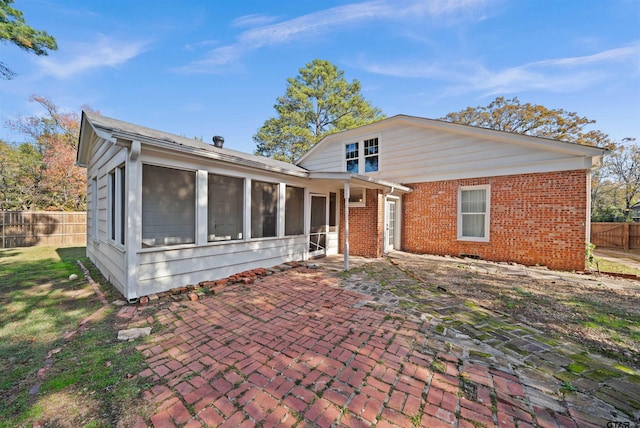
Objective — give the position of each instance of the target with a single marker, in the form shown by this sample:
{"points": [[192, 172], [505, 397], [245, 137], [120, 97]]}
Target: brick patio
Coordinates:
{"points": [[296, 349]]}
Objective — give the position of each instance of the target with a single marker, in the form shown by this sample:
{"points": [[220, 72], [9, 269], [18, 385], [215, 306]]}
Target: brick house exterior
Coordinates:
{"points": [[365, 226], [166, 210], [534, 218], [537, 191]]}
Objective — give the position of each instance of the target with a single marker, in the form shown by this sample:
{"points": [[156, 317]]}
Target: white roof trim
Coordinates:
{"points": [[363, 179]]}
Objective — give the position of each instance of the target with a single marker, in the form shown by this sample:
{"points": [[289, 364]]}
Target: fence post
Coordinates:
{"points": [[625, 236]]}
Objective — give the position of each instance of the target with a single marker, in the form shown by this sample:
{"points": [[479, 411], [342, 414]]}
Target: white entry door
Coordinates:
{"points": [[391, 225], [319, 228]]}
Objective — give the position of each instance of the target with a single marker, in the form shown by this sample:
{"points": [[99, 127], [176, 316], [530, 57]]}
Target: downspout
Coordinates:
{"points": [[346, 225]]}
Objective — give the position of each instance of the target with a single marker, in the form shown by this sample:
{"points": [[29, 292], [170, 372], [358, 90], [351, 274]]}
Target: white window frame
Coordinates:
{"points": [[170, 241], [366, 156], [211, 237], [361, 158], [487, 213], [353, 193], [299, 214], [356, 158], [278, 211]]}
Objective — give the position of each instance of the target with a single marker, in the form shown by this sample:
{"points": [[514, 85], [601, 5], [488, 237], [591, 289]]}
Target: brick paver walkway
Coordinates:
{"points": [[298, 349]]}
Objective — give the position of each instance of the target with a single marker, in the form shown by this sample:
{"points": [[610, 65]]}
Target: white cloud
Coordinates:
{"points": [[253, 20], [553, 75], [203, 43], [78, 58], [326, 20], [617, 54]]}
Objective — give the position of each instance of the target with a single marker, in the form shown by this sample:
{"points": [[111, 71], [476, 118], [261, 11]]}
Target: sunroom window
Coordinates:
{"points": [[94, 208], [294, 211], [116, 220], [264, 209], [168, 206], [333, 212], [225, 208]]}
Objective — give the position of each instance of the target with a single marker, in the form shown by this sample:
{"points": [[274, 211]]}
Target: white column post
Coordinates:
{"points": [[346, 225], [133, 210], [247, 209], [202, 200]]}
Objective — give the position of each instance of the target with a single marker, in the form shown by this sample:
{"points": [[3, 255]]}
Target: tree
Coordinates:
{"points": [[621, 171], [44, 174], [511, 116], [317, 102], [14, 29]]}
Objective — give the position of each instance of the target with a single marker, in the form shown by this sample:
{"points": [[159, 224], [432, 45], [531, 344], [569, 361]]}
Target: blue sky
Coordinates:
{"points": [[204, 68]]}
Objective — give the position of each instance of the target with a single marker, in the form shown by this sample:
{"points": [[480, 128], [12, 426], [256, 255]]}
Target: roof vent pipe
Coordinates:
{"points": [[218, 141]]}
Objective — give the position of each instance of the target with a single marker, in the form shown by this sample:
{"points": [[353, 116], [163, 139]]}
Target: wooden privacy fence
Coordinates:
{"points": [[616, 235], [31, 228]]}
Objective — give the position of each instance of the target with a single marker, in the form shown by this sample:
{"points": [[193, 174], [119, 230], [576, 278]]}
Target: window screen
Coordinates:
{"points": [[168, 206], [294, 211], [333, 215], [225, 208], [264, 209]]}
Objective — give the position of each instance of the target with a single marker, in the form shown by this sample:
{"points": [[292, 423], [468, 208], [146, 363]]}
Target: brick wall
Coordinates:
{"points": [[365, 226], [534, 219]]}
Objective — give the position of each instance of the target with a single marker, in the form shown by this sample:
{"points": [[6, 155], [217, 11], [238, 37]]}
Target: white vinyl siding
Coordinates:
{"points": [[411, 152], [225, 208], [473, 213], [294, 211], [168, 206]]}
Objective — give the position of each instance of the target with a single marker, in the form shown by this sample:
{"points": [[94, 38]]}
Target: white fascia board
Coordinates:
{"points": [[85, 140]]}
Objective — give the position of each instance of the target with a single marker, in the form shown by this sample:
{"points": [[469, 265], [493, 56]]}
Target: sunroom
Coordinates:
{"points": [[166, 211]]}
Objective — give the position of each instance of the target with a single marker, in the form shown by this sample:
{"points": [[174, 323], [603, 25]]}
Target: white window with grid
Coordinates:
{"points": [[473, 213]]}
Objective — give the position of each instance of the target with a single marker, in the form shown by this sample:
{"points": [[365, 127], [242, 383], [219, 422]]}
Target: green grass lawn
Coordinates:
{"points": [[88, 383]]}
